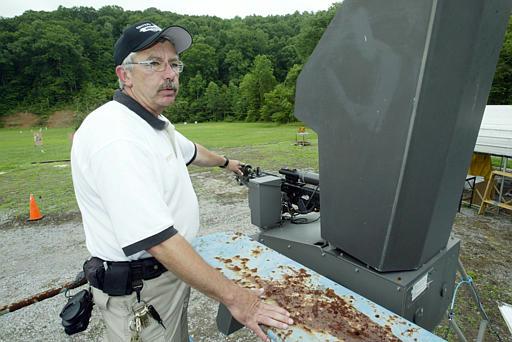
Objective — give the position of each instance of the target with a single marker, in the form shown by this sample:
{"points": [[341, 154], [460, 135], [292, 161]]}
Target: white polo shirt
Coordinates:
{"points": [[131, 181]]}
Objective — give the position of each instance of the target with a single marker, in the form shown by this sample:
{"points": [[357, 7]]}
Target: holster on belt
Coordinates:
{"points": [[94, 272]]}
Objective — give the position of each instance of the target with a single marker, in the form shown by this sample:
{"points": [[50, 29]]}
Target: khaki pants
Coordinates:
{"points": [[167, 293]]}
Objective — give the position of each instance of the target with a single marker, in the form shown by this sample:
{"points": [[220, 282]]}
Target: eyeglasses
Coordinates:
{"points": [[159, 66]]}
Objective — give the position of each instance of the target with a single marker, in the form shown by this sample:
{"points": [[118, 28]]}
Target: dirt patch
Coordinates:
{"points": [[61, 118], [21, 119]]}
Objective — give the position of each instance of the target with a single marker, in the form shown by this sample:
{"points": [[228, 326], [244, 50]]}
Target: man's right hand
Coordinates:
{"points": [[249, 309], [246, 306]]}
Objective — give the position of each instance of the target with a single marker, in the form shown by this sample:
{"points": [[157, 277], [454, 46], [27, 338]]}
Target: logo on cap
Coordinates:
{"points": [[148, 27]]}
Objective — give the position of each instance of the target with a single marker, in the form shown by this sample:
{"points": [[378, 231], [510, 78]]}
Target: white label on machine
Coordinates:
{"points": [[420, 286]]}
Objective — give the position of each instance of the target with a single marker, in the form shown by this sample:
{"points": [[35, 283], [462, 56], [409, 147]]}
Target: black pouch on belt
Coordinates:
{"points": [[117, 281], [94, 271]]}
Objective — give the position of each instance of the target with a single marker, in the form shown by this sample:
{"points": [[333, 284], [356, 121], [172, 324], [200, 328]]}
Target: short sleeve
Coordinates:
{"points": [[130, 190], [187, 147]]}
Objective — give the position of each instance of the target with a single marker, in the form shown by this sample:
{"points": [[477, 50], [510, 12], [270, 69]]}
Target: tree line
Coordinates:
{"points": [[240, 69]]}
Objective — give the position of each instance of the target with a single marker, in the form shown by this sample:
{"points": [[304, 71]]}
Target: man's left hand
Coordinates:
{"points": [[235, 166]]}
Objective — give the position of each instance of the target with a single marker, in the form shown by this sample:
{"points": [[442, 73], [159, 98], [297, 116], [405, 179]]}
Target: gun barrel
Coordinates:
{"points": [[304, 177]]}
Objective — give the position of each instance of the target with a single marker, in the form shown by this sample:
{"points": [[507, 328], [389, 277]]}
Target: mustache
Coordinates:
{"points": [[168, 84]]}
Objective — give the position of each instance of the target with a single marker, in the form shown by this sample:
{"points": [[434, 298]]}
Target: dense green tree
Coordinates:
{"points": [[179, 111], [277, 105], [255, 85], [292, 75], [236, 65], [195, 87], [49, 69], [51, 60], [200, 59], [501, 91], [285, 57], [213, 102], [247, 106], [224, 109], [250, 42], [236, 106], [8, 79], [312, 31]]}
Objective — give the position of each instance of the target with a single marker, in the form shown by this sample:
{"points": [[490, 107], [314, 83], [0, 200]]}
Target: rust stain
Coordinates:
{"points": [[411, 331], [256, 251], [283, 335], [312, 309], [236, 236]]}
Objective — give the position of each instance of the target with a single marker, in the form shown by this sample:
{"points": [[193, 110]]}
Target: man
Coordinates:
{"points": [[138, 206]]}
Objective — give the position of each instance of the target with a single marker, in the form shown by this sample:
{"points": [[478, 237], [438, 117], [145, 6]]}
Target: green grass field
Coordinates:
{"points": [[269, 146]]}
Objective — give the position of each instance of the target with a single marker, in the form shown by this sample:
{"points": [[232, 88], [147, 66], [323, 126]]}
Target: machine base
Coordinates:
{"points": [[421, 296]]}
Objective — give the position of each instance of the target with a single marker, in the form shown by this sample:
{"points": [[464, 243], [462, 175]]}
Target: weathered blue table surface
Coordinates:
{"points": [[222, 250]]}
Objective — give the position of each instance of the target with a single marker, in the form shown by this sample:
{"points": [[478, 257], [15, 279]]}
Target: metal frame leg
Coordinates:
{"points": [[485, 319], [481, 330], [459, 333]]}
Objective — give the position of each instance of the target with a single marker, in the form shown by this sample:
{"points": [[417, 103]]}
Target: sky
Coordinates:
{"points": [[219, 8]]}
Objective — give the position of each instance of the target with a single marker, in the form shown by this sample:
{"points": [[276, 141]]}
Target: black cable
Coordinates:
{"points": [[303, 220]]}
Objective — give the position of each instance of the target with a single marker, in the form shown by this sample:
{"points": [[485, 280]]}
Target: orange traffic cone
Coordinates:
{"points": [[35, 214]]}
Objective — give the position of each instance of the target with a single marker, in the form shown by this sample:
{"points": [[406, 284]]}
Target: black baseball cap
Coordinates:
{"points": [[143, 34]]}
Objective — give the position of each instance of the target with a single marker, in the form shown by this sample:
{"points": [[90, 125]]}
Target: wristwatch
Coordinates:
{"points": [[225, 163]]}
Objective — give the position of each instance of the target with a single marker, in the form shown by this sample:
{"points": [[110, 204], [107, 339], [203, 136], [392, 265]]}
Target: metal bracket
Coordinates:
{"points": [[225, 322]]}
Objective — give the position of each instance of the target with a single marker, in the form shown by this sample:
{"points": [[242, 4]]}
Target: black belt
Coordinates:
{"points": [[120, 278]]}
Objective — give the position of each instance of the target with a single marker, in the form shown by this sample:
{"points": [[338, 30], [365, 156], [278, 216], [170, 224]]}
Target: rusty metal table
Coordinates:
{"points": [[232, 252]]}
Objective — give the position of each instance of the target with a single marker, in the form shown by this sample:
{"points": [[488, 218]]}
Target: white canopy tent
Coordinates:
{"points": [[495, 136]]}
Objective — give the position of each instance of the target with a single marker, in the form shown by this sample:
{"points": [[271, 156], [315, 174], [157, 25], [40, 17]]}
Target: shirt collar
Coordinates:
{"points": [[138, 109]]}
